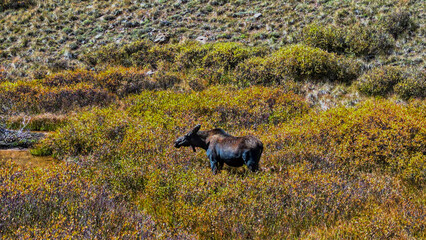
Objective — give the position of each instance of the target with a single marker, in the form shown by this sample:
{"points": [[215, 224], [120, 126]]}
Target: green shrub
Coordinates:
{"points": [[225, 56], [158, 53], [368, 41], [124, 81], [356, 39], [105, 55], [19, 97], [69, 90], [41, 150], [166, 80], [99, 138], [222, 108], [112, 54], [303, 62], [398, 22], [380, 81], [220, 60], [378, 135], [99, 133], [225, 63], [41, 122], [110, 79], [72, 97], [329, 38], [138, 50], [257, 70], [197, 83], [412, 87], [15, 4], [192, 54], [40, 72], [69, 78]]}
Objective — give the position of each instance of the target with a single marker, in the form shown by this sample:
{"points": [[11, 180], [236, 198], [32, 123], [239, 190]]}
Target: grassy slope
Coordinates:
{"points": [[356, 170], [49, 33]]}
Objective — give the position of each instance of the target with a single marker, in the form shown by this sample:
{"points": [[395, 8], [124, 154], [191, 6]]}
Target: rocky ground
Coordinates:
{"points": [[18, 139]]}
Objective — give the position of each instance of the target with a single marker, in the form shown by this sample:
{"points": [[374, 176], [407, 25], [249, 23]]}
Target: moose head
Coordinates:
{"points": [[189, 139]]}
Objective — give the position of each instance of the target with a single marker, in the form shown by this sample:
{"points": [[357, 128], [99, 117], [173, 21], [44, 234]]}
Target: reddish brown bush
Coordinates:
{"points": [[68, 78]]}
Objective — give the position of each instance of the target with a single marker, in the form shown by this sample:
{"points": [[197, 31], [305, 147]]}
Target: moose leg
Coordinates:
{"points": [[220, 165], [250, 161], [214, 164]]}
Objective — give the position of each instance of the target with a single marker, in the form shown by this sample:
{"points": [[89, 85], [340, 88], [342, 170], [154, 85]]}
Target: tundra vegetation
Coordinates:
{"points": [[333, 89]]}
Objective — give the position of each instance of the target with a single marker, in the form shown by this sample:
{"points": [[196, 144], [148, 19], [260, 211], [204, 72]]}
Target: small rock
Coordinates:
{"points": [[313, 96], [325, 104], [181, 2], [418, 60], [202, 39], [323, 92], [161, 38], [165, 23], [108, 17], [68, 55], [338, 92], [257, 15], [131, 24], [63, 40], [73, 46], [149, 73]]}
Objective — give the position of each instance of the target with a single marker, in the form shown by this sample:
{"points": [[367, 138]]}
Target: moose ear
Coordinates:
{"points": [[194, 130]]}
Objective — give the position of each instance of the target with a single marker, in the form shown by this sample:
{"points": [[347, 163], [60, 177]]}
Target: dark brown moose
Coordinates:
{"points": [[223, 148]]}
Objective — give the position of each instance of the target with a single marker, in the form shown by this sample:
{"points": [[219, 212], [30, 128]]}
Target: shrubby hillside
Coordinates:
{"points": [[334, 89], [44, 36]]}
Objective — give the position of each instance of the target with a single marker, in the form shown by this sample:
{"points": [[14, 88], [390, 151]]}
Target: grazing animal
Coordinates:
{"points": [[223, 148]]}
